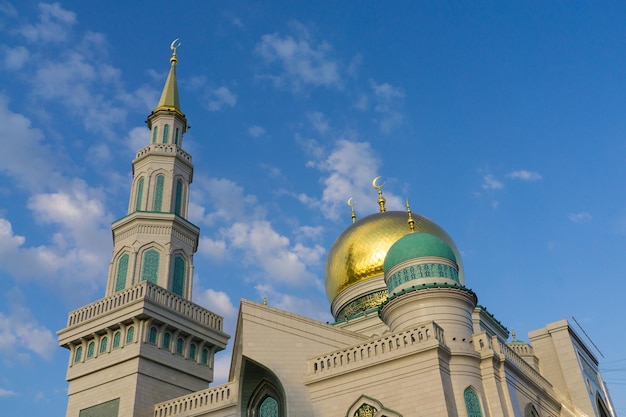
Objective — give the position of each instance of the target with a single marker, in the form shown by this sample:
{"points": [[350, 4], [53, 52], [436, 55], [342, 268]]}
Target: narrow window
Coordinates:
{"points": [[167, 341], [192, 351], [117, 338], [176, 137], [79, 354], [130, 334], [269, 408], [178, 203], [103, 344], [180, 345], [179, 276], [152, 337], [122, 269], [90, 349], [472, 403], [158, 193], [154, 133], [166, 132], [204, 357], [150, 270], [139, 194]]}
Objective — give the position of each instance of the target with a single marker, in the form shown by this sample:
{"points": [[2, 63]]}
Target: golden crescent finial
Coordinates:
{"points": [[411, 221], [174, 46], [381, 199], [351, 205]]}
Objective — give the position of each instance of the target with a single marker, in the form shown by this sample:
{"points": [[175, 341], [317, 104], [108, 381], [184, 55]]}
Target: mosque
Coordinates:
{"points": [[409, 339]]}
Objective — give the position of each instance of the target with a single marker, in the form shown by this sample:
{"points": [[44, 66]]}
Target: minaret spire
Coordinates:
{"points": [[381, 199], [169, 96]]}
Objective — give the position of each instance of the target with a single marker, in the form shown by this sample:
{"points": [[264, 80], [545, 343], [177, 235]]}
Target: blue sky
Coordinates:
{"points": [[504, 122]]}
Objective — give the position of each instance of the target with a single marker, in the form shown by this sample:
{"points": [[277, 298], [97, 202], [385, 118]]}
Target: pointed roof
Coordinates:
{"points": [[169, 96]]}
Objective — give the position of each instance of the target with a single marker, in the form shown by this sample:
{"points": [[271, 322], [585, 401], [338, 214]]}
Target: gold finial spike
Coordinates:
{"points": [[381, 199], [264, 300], [174, 46], [351, 205], [411, 221], [513, 335]]}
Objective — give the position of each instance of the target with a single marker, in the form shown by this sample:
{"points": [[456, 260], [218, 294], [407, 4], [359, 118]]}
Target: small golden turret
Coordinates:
{"points": [[381, 199], [411, 221]]}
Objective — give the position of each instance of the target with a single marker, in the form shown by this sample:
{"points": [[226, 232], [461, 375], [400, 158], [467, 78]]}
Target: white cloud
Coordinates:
{"points": [[255, 131], [221, 367], [217, 302], [227, 200], [215, 249], [304, 306], [6, 393], [221, 97], [137, 138], [524, 175], [54, 24], [319, 122], [581, 217], [388, 103], [300, 60], [491, 183], [21, 333], [14, 58]]}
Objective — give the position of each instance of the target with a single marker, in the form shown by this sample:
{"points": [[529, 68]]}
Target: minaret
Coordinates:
{"points": [[146, 342]]}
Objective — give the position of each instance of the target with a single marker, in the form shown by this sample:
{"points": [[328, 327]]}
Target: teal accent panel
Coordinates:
{"points": [[150, 269], [166, 132], [117, 339], [154, 133], [103, 344], [152, 336], [204, 357], [179, 197], [130, 334], [472, 403], [79, 354], [158, 193], [192, 351], [122, 270], [417, 245], [178, 280], [415, 272], [90, 349], [176, 137], [139, 194], [180, 345], [107, 409], [167, 341], [268, 408]]}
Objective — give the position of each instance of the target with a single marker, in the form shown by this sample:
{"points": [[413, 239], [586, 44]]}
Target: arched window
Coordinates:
{"points": [[176, 137], [204, 357], [472, 403], [269, 408], [178, 202], [90, 349], [166, 132], [192, 351], [154, 133], [365, 410], [180, 345], [152, 336], [78, 355], [122, 269], [139, 194], [103, 344], [178, 279], [158, 193], [167, 341], [150, 269], [130, 334], [117, 338]]}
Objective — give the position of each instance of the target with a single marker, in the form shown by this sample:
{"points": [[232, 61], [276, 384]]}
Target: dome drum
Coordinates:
{"points": [[426, 270]]}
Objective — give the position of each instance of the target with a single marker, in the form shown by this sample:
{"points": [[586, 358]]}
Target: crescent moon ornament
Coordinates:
{"points": [[350, 203], [378, 187], [175, 44]]}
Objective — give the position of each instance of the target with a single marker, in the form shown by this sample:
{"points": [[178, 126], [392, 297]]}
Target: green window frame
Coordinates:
{"points": [[158, 193], [180, 346], [152, 336], [130, 334], [103, 344], [78, 355], [91, 347], [166, 132], [150, 267], [139, 196], [204, 356], [472, 403], [117, 340], [154, 133], [176, 137], [167, 341], [178, 202], [178, 278], [269, 407], [192, 351], [122, 271]]}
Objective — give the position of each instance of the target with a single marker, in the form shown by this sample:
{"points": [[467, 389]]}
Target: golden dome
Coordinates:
{"points": [[359, 252]]}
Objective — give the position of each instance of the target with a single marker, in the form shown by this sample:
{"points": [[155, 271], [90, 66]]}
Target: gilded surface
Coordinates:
{"points": [[359, 252], [362, 304]]}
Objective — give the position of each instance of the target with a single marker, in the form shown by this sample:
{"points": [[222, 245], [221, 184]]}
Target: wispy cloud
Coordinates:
{"points": [[220, 98], [388, 102], [256, 131], [298, 60], [524, 175], [53, 26], [490, 182], [6, 393], [580, 217]]}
